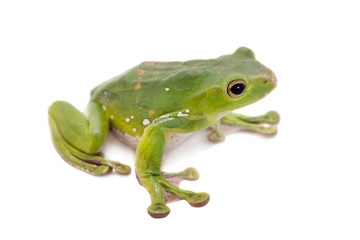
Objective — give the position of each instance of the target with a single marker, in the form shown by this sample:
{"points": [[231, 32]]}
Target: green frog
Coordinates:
{"points": [[155, 106]]}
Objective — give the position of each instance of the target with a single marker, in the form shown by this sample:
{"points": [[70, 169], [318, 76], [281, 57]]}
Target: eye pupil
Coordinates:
{"points": [[238, 88]]}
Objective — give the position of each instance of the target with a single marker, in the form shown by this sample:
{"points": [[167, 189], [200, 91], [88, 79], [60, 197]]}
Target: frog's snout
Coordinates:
{"points": [[272, 81]]}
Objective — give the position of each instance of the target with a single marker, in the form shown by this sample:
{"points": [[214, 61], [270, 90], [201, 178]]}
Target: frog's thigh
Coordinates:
{"points": [[85, 134], [78, 138]]}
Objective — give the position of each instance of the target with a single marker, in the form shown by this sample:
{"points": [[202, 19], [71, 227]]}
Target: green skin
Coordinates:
{"points": [[158, 100]]}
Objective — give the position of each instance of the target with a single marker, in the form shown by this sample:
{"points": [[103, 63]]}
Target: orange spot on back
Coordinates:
{"points": [[156, 72], [140, 72], [137, 86], [151, 112], [149, 63]]}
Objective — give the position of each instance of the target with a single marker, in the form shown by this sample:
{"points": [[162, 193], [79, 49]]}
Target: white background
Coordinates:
{"points": [[303, 183]]}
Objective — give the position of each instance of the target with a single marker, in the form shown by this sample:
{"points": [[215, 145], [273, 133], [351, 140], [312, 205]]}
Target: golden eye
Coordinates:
{"points": [[236, 88]]}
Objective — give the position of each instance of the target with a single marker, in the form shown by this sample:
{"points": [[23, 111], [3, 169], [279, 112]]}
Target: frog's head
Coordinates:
{"points": [[238, 80]]}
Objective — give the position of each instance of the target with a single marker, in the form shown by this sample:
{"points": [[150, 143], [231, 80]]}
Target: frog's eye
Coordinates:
{"points": [[236, 88]]}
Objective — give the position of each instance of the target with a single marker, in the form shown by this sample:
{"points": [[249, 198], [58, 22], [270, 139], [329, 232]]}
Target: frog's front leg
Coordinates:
{"points": [[148, 162], [234, 121], [78, 137]]}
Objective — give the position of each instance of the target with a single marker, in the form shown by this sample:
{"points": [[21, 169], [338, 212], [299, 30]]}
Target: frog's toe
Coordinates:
{"points": [[268, 130], [102, 170], [191, 174], [272, 117], [216, 137], [198, 199], [158, 210], [122, 169]]}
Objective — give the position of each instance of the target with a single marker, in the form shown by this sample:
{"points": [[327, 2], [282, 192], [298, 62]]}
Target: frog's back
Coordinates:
{"points": [[138, 87], [145, 74], [144, 93]]}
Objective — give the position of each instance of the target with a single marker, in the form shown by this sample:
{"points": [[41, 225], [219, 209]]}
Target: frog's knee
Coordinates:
{"points": [[56, 107]]}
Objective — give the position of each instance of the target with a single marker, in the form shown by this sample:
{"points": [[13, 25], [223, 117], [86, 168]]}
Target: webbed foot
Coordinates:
{"points": [[164, 189]]}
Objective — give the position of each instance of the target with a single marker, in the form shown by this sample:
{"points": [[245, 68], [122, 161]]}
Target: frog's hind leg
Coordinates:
{"points": [[78, 138], [232, 122]]}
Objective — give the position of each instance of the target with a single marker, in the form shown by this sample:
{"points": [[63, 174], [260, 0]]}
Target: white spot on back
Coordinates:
{"points": [[111, 117], [165, 116], [146, 122], [104, 107], [167, 89], [180, 114], [127, 119], [162, 116], [187, 110], [134, 129], [132, 117]]}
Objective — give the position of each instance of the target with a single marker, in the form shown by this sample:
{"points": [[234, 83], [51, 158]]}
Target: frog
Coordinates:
{"points": [[155, 106]]}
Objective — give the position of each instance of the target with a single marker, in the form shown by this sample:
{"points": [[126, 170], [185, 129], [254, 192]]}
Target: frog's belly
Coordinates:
{"points": [[173, 141]]}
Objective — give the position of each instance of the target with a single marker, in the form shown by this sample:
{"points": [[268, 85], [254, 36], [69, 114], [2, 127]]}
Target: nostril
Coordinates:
{"points": [[265, 81]]}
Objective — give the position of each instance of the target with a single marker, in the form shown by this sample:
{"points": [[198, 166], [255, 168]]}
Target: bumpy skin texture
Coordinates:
{"points": [[154, 89], [153, 102]]}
